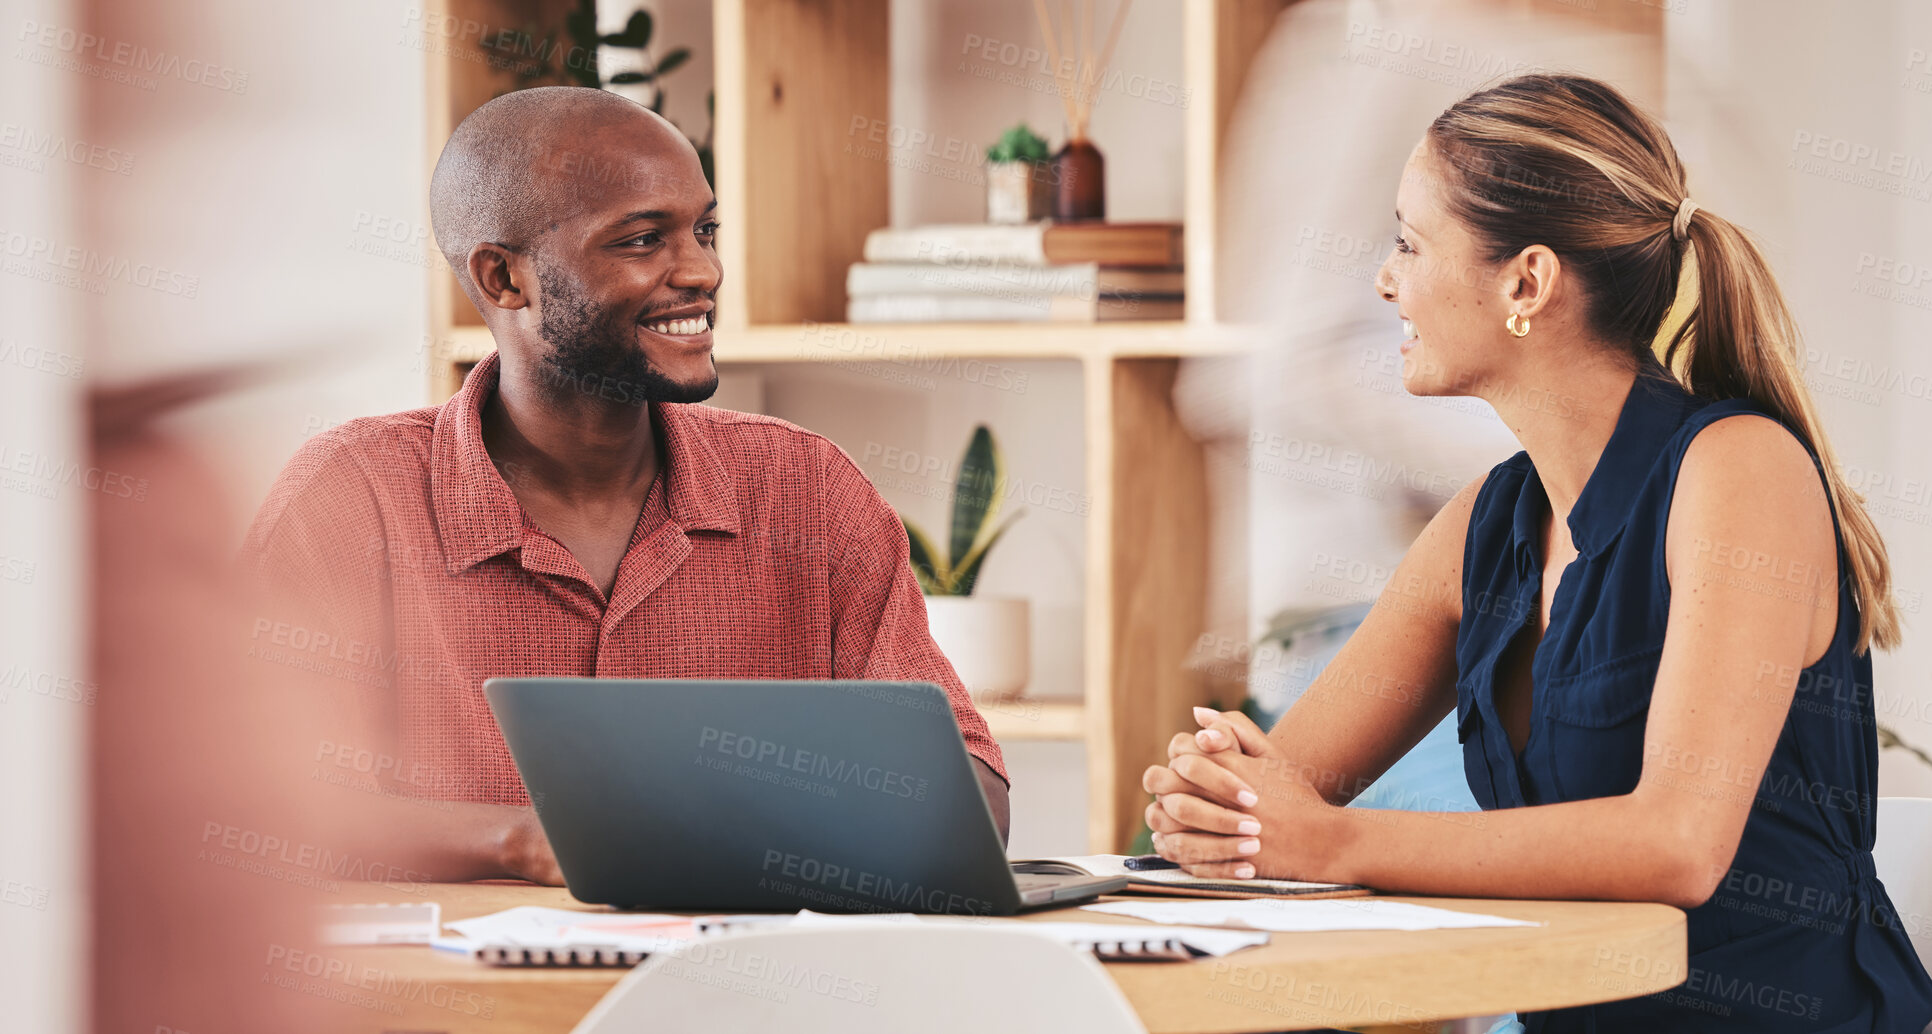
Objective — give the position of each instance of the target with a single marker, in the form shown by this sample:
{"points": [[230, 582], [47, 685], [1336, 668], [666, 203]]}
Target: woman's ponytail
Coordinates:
{"points": [[1741, 342]]}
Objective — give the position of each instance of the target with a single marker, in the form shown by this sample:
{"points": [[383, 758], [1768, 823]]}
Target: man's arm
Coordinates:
{"points": [[879, 628], [995, 789], [318, 563]]}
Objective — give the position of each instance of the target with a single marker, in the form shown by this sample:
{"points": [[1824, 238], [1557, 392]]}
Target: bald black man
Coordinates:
{"points": [[573, 510]]}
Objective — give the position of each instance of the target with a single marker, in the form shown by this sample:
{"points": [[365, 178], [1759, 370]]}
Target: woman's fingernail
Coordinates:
{"points": [[1244, 872], [1209, 737], [1206, 715], [1155, 839], [1247, 798], [1248, 827], [1248, 847]]}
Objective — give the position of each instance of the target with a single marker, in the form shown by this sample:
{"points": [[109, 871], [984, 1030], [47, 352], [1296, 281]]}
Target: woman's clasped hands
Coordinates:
{"points": [[1230, 804]]}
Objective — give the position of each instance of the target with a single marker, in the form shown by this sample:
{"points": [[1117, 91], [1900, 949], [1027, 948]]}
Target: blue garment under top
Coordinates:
{"points": [[1800, 935]]}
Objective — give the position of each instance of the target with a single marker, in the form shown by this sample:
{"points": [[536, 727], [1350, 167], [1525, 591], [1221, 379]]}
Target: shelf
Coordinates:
{"points": [[899, 342], [1030, 719], [917, 342]]}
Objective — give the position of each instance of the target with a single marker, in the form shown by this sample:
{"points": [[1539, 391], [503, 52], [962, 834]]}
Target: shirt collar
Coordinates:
{"points": [[1652, 412], [477, 515], [703, 494]]}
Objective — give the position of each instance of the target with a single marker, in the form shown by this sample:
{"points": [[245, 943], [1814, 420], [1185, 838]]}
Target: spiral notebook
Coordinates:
{"points": [[554, 937], [533, 936], [1110, 942]]}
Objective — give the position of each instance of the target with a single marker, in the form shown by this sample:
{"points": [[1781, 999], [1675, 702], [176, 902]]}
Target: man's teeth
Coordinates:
{"points": [[1408, 330], [687, 326]]}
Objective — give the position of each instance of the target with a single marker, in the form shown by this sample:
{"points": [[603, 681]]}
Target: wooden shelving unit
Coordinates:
{"points": [[789, 74]]}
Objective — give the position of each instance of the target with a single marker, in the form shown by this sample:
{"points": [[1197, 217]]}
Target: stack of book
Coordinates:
{"points": [[1059, 272]]}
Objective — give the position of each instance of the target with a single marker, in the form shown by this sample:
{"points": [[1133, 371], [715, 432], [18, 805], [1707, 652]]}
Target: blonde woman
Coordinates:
{"points": [[1652, 624]]}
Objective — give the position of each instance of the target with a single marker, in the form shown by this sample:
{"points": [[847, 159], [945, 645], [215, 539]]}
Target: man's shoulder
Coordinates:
{"points": [[371, 446], [341, 473], [750, 440], [776, 463]]}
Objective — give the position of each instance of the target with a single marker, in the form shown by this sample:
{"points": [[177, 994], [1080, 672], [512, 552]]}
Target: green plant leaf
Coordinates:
{"points": [[1018, 144], [637, 32], [978, 491], [927, 566], [967, 573], [670, 62]]}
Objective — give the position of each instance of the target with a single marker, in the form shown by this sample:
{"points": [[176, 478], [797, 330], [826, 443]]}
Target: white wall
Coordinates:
{"points": [[296, 204], [1752, 87], [963, 72]]}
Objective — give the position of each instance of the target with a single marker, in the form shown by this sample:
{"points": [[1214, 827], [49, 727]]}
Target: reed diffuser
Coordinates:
{"points": [[1079, 172]]}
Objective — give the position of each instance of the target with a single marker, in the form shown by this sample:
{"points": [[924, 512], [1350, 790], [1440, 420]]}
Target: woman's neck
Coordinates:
{"points": [[1563, 413]]}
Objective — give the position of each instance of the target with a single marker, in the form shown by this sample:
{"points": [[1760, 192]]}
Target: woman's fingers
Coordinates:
{"points": [[1180, 807], [1160, 821], [1221, 870], [1209, 817], [1224, 730], [1160, 779], [1220, 783], [1183, 743], [1201, 849]]}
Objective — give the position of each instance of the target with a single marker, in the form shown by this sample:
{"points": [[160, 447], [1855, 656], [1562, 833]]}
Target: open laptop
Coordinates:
{"points": [[766, 795]]}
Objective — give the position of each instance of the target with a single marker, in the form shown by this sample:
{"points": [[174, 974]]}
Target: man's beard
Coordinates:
{"points": [[595, 352]]}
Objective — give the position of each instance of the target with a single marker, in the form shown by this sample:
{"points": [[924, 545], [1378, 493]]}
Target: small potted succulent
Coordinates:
{"points": [[1018, 177], [987, 639]]}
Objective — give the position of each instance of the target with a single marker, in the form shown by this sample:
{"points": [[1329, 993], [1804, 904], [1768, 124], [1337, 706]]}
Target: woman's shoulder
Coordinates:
{"points": [[1747, 479], [1740, 444]]}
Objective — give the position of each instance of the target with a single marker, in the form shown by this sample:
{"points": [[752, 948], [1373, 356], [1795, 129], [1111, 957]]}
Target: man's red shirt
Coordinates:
{"points": [[761, 552]]}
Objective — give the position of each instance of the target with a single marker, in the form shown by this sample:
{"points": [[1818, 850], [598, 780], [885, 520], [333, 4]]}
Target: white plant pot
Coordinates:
{"points": [[988, 639], [1016, 192]]}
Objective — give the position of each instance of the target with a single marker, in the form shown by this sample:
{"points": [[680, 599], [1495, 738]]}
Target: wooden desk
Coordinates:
{"points": [[1588, 952]]}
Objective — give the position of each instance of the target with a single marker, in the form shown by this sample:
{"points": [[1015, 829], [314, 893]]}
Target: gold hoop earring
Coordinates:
{"points": [[1516, 325]]}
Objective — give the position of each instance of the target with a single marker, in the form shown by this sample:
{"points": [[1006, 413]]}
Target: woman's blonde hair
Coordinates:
{"points": [[1568, 162]]}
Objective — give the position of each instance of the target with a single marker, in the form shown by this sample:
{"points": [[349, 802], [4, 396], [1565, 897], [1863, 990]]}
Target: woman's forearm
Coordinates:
{"points": [[1610, 848]]}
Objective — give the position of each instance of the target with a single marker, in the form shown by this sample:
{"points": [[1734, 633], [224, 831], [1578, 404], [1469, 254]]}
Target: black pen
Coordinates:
{"points": [[1145, 862]]}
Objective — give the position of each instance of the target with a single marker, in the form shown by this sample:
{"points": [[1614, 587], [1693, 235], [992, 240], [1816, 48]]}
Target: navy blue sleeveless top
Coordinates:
{"points": [[1800, 935]]}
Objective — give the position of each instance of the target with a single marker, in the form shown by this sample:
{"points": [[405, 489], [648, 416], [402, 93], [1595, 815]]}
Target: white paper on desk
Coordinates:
{"points": [[410, 923], [529, 926], [1108, 940], [1097, 937], [1287, 916]]}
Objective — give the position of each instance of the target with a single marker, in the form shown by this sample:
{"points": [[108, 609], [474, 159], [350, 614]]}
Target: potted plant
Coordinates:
{"points": [[987, 639], [1017, 184]]}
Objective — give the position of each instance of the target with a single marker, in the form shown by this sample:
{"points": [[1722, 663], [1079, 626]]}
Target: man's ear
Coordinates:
{"points": [[1528, 281], [499, 276]]}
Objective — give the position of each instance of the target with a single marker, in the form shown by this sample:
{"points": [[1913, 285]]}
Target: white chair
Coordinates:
{"points": [[953, 979], [1903, 857]]}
